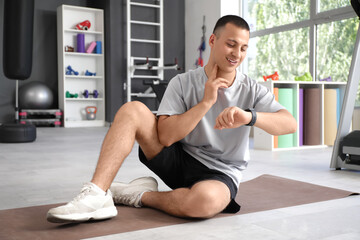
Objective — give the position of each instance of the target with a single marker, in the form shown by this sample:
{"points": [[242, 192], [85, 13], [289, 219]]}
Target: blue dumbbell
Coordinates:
{"points": [[70, 71]]}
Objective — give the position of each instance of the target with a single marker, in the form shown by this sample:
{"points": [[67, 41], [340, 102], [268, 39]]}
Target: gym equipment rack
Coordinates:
{"points": [[41, 117], [153, 66]]}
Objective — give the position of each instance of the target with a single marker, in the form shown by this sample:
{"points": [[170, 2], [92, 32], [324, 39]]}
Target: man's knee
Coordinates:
{"points": [[205, 204], [133, 110]]}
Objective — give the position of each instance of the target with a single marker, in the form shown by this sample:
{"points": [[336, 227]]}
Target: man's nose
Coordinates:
{"points": [[237, 52]]}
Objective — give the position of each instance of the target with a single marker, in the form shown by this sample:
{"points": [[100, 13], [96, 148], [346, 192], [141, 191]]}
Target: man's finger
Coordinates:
{"points": [[221, 83]]}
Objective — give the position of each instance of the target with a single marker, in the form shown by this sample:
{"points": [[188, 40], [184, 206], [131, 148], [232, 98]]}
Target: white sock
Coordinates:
{"points": [[98, 189], [140, 196]]}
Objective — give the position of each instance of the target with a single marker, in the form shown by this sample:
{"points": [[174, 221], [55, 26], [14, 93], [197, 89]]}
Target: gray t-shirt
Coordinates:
{"points": [[225, 150]]}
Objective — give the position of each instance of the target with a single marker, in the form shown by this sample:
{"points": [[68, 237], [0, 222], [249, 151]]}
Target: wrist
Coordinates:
{"points": [[206, 104], [253, 115]]}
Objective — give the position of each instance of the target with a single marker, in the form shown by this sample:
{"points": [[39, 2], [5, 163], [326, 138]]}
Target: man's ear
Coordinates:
{"points": [[212, 40]]}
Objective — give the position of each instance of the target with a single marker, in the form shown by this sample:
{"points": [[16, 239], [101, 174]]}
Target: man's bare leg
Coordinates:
{"points": [[133, 121], [204, 200]]}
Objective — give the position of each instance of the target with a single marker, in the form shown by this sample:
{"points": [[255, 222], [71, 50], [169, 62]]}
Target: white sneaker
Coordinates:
{"points": [[130, 193], [89, 204]]}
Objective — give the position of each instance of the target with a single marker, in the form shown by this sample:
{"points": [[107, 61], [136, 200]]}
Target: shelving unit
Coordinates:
{"points": [[74, 108], [265, 141]]}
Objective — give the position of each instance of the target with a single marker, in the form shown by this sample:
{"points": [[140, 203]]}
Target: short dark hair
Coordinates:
{"points": [[234, 19]]}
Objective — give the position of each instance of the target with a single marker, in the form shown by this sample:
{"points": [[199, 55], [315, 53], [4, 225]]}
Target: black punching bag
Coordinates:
{"points": [[18, 38], [17, 61]]}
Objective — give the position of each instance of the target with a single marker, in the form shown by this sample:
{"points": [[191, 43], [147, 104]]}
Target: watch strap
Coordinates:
{"points": [[253, 118]]}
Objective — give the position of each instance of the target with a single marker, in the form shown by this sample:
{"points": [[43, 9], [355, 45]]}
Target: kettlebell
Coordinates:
{"points": [[91, 112]]}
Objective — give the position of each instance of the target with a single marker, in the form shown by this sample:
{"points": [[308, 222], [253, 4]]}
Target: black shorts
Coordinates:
{"points": [[178, 169]]}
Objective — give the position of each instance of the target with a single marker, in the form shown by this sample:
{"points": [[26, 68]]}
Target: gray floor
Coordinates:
{"points": [[54, 167]]}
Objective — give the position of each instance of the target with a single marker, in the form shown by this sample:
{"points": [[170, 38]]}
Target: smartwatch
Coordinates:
{"points": [[253, 118]]}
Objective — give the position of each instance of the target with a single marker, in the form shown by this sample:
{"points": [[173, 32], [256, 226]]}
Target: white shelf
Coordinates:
{"points": [[84, 77], [84, 99], [83, 54], [84, 123], [82, 31], [265, 141], [74, 109]]}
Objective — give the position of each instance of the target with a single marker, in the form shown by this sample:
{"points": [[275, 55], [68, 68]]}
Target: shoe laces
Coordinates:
{"points": [[123, 198], [126, 198], [84, 191], [129, 199]]}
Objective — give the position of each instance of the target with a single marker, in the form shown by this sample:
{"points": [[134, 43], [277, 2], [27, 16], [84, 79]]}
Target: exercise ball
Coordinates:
{"points": [[35, 95]]}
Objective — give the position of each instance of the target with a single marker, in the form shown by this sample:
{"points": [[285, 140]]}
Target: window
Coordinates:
{"points": [[267, 14], [297, 36], [326, 5], [281, 48], [335, 46]]}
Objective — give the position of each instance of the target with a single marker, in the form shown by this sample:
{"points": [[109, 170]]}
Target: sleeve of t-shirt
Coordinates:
{"points": [[172, 102], [265, 100]]}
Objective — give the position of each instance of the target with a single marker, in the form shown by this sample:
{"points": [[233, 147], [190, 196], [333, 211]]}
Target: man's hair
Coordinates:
{"points": [[236, 20]]}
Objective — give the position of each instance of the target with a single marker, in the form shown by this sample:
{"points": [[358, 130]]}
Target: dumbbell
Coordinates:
{"points": [[70, 71], [87, 73], [86, 93], [70, 95]]}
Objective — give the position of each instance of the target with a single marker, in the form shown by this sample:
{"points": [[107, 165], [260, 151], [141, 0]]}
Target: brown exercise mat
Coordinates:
{"points": [[262, 193]]}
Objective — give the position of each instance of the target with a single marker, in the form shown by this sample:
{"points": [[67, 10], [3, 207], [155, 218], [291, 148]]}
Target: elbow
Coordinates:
{"points": [[293, 126]]}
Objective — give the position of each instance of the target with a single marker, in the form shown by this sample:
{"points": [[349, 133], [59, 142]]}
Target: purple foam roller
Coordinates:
{"points": [[81, 42]]}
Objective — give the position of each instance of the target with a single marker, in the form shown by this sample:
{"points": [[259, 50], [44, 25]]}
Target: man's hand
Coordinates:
{"points": [[212, 85], [232, 117]]}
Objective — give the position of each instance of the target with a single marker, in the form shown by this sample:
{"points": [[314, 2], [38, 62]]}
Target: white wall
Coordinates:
{"points": [[194, 12]]}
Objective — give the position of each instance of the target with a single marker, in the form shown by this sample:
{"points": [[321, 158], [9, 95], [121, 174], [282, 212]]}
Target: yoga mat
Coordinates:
{"points": [[276, 138], [286, 99], [301, 116], [265, 192], [330, 118], [312, 116]]}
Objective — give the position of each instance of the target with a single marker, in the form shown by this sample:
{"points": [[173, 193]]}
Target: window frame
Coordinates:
{"points": [[316, 18]]}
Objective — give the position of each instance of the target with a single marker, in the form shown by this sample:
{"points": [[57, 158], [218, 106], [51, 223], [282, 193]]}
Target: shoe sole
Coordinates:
{"points": [[99, 214]]}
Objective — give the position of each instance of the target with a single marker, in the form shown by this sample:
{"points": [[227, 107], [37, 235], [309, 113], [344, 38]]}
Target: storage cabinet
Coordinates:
{"points": [[310, 116], [84, 63]]}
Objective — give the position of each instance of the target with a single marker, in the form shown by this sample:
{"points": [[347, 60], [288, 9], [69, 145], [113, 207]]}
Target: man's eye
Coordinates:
{"points": [[230, 45]]}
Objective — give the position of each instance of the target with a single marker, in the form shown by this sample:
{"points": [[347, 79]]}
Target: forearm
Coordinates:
{"points": [[279, 123], [174, 128]]}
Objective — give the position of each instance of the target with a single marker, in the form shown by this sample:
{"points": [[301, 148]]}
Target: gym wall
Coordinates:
{"points": [[44, 66]]}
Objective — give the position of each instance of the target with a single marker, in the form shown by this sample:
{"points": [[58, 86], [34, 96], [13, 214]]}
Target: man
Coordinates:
{"points": [[197, 144]]}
